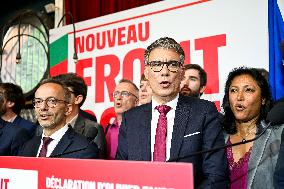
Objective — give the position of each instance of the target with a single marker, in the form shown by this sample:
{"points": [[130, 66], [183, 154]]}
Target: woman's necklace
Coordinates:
{"points": [[249, 132]]}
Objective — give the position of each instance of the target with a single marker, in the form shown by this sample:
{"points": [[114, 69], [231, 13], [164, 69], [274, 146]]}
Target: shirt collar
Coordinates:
{"points": [[172, 103], [58, 134]]}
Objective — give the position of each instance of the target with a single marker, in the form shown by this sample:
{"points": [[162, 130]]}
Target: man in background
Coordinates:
{"points": [[125, 97], [11, 105], [12, 137], [194, 81]]}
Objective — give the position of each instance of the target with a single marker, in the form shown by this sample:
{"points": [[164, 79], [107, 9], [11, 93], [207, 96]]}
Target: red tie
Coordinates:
{"points": [[161, 134], [43, 150]]}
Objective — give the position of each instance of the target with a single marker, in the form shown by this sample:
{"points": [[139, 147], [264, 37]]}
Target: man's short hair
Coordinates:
{"points": [[67, 93], [164, 43], [130, 82], [201, 71], [76, 83], [14, 93]]}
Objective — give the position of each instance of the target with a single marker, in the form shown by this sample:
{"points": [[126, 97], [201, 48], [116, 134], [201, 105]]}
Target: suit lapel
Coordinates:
{"points": [[145, 134], [64, 143], [257, 154], [180, 123]]}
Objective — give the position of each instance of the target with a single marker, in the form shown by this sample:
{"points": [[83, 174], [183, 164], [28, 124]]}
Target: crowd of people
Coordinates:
{"points": [[163, 120]]}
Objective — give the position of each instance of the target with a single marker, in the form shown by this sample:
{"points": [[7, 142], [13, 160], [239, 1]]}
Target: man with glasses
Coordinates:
{"points": [[173, 127], [125, 97], [52, 106]]}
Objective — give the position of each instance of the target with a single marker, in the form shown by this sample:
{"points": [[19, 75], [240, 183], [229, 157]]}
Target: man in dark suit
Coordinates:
{"points": [[173, 127], [13, 103], [12, 137], [52, 106]]}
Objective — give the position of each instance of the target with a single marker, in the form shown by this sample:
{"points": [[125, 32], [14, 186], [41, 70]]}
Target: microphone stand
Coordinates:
{"points": [[224, 146]]}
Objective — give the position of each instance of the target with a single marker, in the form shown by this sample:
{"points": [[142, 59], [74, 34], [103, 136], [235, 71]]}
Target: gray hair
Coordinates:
{"points": [[164, 43]]}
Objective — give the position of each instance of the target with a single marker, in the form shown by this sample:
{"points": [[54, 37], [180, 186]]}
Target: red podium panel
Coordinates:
{"points": [[55, 173]]}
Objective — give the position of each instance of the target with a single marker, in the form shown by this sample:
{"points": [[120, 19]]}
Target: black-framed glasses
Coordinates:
{"points": [[172, 65], [50, 102], [115, 94]]}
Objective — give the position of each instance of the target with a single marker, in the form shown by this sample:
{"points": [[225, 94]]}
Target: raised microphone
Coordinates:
{"points": [[92, 133], [274, 117]]}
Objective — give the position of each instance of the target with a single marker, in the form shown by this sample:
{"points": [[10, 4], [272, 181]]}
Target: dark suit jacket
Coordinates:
{"points": [[71, 141], [93, 131], [12, 137], [28, 125], [196, 128]]}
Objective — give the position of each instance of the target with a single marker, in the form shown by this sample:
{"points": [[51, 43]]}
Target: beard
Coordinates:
{"points": [[188, 92]]}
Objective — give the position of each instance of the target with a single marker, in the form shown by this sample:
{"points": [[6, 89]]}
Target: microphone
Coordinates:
{"points": [[274, 117]]}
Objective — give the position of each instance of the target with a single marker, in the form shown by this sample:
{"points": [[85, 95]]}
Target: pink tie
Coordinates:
{"points": [[161, 134], [43, 150]]}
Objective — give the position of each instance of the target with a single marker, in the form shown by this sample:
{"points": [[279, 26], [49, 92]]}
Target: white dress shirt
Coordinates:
{"points": [[170, 118], [56, 138]]}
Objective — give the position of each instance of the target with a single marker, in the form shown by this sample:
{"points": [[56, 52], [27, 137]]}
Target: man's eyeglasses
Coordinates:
{"points": [[172, 65], [50, 102], [115, 94]]}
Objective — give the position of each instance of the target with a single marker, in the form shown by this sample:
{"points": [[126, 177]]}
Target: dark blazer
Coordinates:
{"points": [[93, 131], [196, 127], [12, 137], [71, 145], [28, 125]]}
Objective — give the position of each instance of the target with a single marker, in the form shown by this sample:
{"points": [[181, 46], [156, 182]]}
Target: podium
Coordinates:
{"points": [[56, 173]]}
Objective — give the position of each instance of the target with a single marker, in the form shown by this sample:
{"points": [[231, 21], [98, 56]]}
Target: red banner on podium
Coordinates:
{"points": [[55, 173]]}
